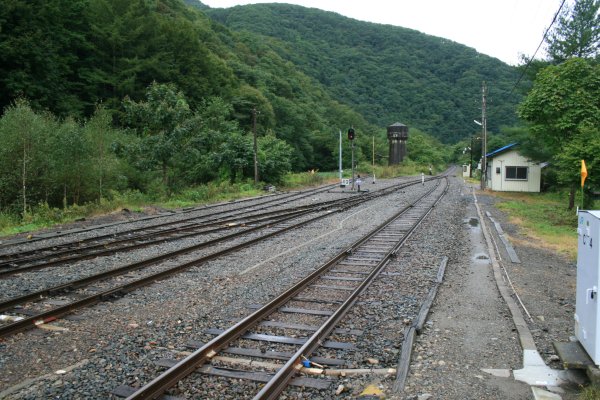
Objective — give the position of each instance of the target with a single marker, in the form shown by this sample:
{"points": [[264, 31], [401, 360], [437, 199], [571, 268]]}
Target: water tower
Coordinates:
{"points": [[397, 136]]}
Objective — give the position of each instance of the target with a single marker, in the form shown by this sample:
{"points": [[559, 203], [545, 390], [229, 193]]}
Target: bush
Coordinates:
{"points": [[292, 180], [7, 221]]}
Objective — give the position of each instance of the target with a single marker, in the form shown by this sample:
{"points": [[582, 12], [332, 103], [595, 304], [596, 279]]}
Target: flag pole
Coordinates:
{"points": [[583, 176]]}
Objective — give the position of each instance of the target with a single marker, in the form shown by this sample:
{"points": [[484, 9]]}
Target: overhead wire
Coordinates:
{"points": [[538, 48]]}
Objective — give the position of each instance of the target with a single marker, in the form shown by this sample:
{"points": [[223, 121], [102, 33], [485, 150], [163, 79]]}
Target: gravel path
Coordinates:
{"points": [[469, 326]]}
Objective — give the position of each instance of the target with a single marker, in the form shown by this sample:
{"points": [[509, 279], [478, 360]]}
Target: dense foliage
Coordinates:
{"points": [[577, 33], [107, 96], [563, 110], [44, 160], [387, 73], [563, 106]]}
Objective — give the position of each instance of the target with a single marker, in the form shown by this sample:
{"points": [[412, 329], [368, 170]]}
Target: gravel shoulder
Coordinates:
{"points": [[470, 327]]}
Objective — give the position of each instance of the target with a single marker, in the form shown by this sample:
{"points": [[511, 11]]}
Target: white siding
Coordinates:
{"points": [[511, 158], [466, 169]]}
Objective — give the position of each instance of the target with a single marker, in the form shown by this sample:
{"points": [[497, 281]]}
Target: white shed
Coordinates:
{"points": [[509, 171], [466, 170]]}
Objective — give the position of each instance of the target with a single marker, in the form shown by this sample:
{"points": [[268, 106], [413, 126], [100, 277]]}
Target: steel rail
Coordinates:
{"points": [[4, 305], [63, 288], [5, 258], [189, 364], [111, 251], [30, 322], [171, 231], [277, 384]]}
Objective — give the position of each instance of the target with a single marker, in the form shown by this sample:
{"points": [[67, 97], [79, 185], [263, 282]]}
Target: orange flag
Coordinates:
{"points": [[583, 172]]}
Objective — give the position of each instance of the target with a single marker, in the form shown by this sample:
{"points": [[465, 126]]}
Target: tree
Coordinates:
{"points": [[273, 158], [71, 166], [584, 146], [563, 103], [214, 146], [235, 156], [23, 157], [103, 163], [161, 121], [425, 149], [577, 33], [43, 53]]}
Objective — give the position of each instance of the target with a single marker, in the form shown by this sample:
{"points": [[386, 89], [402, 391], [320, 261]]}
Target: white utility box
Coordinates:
{"points": [[466, 170], [587, 312]]}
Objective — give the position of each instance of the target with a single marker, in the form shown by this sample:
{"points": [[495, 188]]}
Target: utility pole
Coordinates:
{"points": [[483, 137], [471, 162], [352, 141], [340, 156], [373, 159], [255, 145]]}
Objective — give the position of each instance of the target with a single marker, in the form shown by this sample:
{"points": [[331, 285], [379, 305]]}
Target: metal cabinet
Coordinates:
{"points": [[587, 320]]}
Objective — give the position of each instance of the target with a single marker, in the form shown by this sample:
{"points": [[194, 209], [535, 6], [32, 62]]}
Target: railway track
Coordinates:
{"points": [[243, 351], [71, 255], [113, 243], [269, 201], [25, 311], [128, 239]]}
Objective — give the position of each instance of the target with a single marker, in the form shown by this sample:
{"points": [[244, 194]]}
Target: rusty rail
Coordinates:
{"points": [[279, 381]]}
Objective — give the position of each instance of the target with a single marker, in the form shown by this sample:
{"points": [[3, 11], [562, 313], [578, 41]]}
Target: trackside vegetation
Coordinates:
{"points": [[110, 103], [543, 218]]}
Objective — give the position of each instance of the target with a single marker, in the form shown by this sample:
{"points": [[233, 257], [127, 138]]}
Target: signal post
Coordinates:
{"points": [[351, 134]]}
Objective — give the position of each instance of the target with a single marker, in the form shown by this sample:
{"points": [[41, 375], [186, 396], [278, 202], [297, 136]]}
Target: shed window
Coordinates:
{"points": [[517, 173]]}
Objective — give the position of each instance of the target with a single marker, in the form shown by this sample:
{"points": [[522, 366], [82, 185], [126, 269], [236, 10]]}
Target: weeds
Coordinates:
{"points": [[543, 217], [590, 393], [42, 215]]}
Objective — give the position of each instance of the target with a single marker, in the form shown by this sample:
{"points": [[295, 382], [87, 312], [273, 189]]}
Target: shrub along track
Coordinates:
{"points": [[324, 297], [79, 293]]}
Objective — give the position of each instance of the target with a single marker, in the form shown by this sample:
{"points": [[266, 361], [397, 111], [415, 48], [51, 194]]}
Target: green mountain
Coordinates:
{"points": [[308, 73], [387, 73], [68, 57], [161, 95]]}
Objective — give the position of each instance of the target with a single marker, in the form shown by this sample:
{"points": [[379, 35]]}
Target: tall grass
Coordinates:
{"points": [[41, 215], [307, 179], [544, 218], [591, 392]]}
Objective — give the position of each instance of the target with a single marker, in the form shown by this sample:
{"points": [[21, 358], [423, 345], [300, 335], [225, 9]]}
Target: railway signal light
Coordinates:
{"points": [[351, 134]]}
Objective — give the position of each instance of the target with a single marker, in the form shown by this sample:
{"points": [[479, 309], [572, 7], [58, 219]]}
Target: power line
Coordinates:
{"points": [[538, 48]]}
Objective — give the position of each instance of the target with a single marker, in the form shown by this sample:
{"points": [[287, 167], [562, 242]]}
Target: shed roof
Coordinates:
{"points": [[494, 153]]}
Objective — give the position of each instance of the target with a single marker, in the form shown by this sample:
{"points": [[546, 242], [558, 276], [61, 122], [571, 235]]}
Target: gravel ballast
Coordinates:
{"points": [[469, 327]]}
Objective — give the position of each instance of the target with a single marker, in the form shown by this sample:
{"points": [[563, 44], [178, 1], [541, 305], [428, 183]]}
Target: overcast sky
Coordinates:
{"points": [[499, 28]]}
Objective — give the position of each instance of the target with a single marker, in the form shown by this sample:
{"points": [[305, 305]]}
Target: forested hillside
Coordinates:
{"points": [[69, 56], [154, 96], [387, 73]]}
